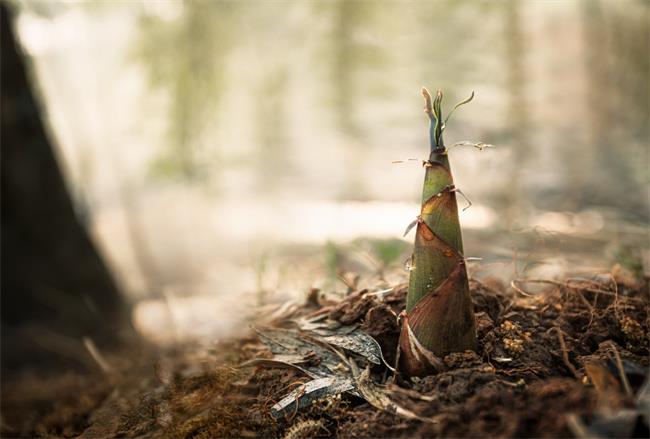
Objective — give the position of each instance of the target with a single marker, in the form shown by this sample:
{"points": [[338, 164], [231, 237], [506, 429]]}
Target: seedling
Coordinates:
{"points": [[439, 316]]}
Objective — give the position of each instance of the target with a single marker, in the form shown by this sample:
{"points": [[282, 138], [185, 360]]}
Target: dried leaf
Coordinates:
{"points": [[357, 342], [378, 398], [350, 338], [324, 362], [288, 361], [309, 392]]}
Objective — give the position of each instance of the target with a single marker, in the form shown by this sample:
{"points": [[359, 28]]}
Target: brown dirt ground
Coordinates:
{"points": [[543, 361]]}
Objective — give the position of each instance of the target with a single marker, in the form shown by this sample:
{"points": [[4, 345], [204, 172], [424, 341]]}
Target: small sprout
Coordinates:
{"points": [[441, 272]]}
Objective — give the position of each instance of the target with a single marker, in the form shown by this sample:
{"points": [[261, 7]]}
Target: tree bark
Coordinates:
{"points": [[56, 288]]}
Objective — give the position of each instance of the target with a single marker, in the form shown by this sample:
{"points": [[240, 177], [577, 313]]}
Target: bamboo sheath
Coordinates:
{"points": [[439, 316]]}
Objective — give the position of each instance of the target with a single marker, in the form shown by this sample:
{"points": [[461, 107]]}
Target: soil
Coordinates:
{"points": [[567, 361]]}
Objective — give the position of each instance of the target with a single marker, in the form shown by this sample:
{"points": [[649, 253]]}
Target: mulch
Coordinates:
{"points": [[568, 361]]}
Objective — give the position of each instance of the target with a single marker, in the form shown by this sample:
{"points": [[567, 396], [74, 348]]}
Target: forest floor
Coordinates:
{"points": [[569, 360]]}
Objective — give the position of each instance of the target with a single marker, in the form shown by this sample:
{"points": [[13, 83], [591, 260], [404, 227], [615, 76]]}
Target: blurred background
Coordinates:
{"points": [[226, 155]]}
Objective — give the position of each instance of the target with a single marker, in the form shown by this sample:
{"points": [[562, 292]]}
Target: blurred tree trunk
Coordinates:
{"points": [[55, 287], [617, 103], [271, 130], [518, 120], [348, 59]]}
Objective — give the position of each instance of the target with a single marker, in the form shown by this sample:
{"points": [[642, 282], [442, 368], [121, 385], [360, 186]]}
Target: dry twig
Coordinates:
{"points": [[621, 371], [565, 353], [570, 286]]}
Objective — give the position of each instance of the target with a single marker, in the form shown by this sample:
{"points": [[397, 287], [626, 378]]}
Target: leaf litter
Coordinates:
{"points": [[568, 361]]}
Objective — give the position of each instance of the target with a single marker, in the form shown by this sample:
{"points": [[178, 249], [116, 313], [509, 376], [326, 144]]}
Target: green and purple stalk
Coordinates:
{"points": [[439, 316]]}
